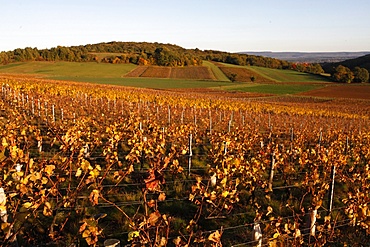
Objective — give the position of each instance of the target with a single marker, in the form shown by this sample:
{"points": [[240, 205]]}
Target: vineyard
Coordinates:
{"points": [[84, 163]]}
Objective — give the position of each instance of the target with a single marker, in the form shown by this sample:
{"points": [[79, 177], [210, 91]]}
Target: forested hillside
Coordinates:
{"points": [[112, 52], [144, 53], [351, 70], [362, 62]]}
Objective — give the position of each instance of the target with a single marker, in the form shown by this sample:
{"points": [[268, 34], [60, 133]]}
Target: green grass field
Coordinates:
{"points": [[288, 82], [102, 73], [69, 69], [280, 75], [216, 71]]}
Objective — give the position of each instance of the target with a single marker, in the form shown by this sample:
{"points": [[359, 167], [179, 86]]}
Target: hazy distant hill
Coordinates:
{"points": [[310, 57], [362, 62]]}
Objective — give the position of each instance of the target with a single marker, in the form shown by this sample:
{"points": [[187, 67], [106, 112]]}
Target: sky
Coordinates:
{"points": [[224, 25]]}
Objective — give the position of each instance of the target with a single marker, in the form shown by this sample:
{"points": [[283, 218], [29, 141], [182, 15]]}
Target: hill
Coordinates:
{"points": [[209, 71], [161, 66], [362, 62], [144, 53], [310, 57], [210, 77]]}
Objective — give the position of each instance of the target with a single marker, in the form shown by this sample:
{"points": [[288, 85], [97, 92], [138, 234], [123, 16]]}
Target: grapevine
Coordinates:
{"points": [[82, 163]]}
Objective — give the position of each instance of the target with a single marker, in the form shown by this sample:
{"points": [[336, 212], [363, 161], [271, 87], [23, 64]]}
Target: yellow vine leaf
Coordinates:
{"points": [[49, 169], [94, 197], [4, 143], [86, 233], [215, 237], [85, 165], [132, 235], [30, 164], [94, 173], [44, 180], [78, 172], [27, 205]]}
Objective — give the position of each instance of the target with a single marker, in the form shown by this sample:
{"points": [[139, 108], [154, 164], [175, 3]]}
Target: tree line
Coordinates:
{"points": [[115, 52], [144, 53], [351, 70], [261, 61], [346, 75]]}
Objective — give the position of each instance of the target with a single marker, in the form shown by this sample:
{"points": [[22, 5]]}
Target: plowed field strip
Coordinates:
{"points": [[342, 91], [158, 72], [199, 73], [137, 72]]}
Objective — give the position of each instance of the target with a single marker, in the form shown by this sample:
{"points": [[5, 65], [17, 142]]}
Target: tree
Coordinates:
{"points": [[161, 56], [315, 68], [234, 60], [4, 57], [19, 55], [360, 74], [232, 77], [343, 74]]}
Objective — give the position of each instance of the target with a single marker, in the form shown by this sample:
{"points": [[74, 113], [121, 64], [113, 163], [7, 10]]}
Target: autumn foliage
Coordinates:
{"points": [[82, 163]]}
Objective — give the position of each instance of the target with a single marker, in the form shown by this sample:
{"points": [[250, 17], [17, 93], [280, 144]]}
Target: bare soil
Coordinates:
{"points": [[192, 72], [341, 91], [137, 72]]}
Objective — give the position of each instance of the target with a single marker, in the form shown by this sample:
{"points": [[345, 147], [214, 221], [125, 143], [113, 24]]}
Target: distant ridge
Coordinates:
{"points": [[362, 62], [310, 57]]}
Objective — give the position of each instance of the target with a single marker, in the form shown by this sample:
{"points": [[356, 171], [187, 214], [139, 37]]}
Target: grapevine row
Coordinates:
{"points": [[81, 162]]}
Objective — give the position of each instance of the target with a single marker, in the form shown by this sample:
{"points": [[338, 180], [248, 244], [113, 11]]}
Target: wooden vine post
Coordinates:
{"points": [[210, 122], [313, 216], [182, 115], [3, 212], [331, 191], [53, 111], [272, 171], [190, 152], [4, 219], [169, 115], [112, 243], [291, 138], [257, 234]]}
